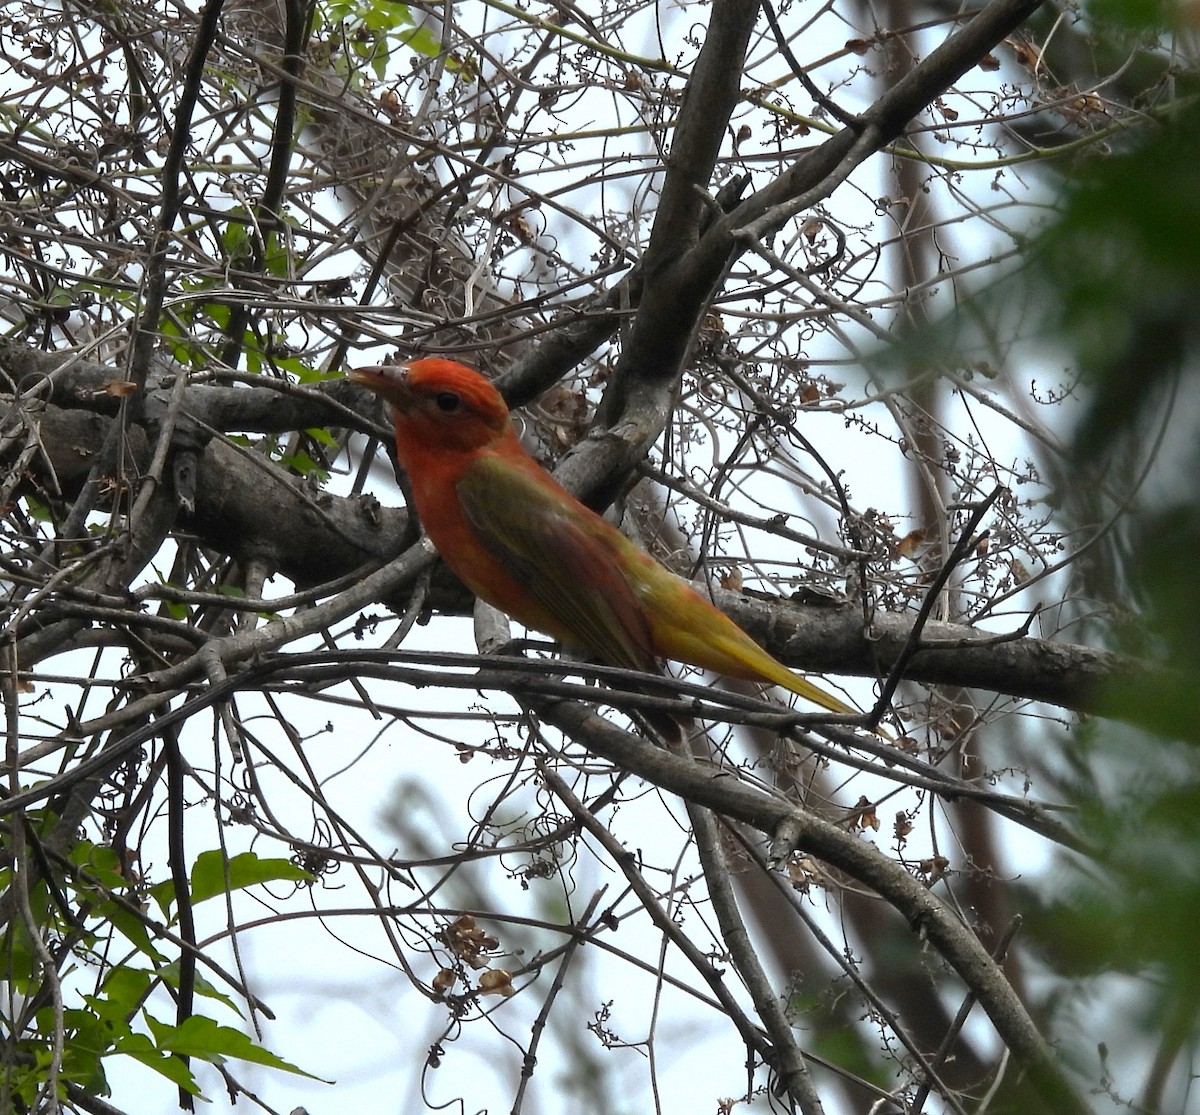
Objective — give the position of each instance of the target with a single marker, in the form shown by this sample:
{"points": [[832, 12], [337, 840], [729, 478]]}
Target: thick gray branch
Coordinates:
{"points": [[675, 295], [253, 510]]}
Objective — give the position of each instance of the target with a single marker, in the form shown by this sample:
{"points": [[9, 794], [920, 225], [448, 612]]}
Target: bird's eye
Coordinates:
{"points": [[447, 401]]}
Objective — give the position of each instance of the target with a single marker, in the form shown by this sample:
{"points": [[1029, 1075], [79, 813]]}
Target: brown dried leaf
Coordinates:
{"points": [[1086, 104], [391, 103], [907, 546], [468, 942], [496, 981], [933, 869], [803, 874], [1027, 54], [863, 815]]}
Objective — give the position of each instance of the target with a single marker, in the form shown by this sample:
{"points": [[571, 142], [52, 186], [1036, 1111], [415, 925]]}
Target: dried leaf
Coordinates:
{"points": [[907, 546], [496, 981], [1086, 104], [803, 873], [933, 869], [468, 942], [863, 815], [1027, 54], [391, 103]]}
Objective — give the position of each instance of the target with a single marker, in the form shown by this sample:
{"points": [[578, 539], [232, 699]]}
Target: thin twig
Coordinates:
{"points": [[755, 1040], [966, 543], [787, 1060], [839, 957], [538, 1025], [839, 114], [960, 1020]]}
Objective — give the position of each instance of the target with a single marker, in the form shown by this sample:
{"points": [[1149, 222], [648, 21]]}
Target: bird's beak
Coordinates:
{"points": [[380, 377], [388, 381]]}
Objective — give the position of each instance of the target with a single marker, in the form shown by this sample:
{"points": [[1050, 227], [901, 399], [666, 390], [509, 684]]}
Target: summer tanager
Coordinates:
{"points": [[524, 544]]}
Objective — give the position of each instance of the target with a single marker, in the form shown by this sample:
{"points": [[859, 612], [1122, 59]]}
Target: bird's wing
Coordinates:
{"points": [[567, 558]]}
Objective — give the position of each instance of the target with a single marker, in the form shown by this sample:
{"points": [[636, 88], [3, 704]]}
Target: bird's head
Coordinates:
{"points": [[437, 403]]}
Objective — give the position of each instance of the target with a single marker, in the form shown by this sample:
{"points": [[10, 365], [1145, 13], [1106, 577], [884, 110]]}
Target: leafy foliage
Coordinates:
{"points": [[1130, 315]]}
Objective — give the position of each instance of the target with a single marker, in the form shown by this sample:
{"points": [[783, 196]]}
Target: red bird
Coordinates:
{"points": [[524, 544]]}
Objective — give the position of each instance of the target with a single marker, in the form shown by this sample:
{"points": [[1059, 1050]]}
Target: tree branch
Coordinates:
{"points": [[923, 911], [675, 296], [263, 513]]}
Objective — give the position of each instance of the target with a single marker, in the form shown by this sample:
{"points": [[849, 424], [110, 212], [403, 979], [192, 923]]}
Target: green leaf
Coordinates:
{"points": [[213, 875], [87, 1040], [141, 1048], [104, 880], [164, 894], [254, 359], [37, 510], [204, 1039], [20, 967], [302, 463], [218, 313], [237, 239], [304, 373], [123, 992], [170, 974], [131, 927], [422, 40], [176, 609], [323, 437]]}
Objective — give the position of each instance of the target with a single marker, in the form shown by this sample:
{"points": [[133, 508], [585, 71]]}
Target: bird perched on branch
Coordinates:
{"points": [[524, 544]]}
